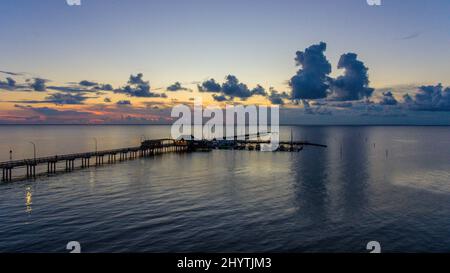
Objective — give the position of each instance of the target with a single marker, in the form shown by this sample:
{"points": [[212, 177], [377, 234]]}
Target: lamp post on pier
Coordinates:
{"points": [[34, 150], [95, 141]]}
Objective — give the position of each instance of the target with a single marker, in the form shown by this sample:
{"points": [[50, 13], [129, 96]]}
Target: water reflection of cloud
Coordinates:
{"points": [[435, 181], [309, 169]]}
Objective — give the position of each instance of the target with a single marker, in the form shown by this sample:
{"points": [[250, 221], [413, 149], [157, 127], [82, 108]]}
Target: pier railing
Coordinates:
{"points": [[147, 148]]}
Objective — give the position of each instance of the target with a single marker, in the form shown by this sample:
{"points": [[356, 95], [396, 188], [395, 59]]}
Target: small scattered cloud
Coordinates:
{"points": [[230, 89], [343, 104], [105, 87], [66, 99], [176, 87], [69, 89], [233, 88], [259, 91], [429, 98], [87, 83], [48, 111], [411, 36], [219, 98], [276, 97], [11, 73], [39, 84], [137, 87], [123, 102], [388, 99], [9, 84], [59, 99], [137, 80], [317, 110], [210, 86], [407, 99]]}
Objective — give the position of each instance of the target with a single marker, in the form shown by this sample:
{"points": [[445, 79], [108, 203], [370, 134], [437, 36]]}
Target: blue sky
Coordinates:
{"points": [[404, 44]]}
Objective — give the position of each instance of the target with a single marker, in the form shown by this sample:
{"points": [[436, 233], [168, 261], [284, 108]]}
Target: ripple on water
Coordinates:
{"points": [[316, 200]]}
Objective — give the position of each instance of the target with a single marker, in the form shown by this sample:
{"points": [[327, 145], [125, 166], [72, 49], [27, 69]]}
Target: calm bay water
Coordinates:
{"points": [[388, 184]]}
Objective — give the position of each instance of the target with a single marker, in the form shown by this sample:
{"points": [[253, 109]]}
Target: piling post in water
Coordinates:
{"points": [[7, 174], [31, 170]]}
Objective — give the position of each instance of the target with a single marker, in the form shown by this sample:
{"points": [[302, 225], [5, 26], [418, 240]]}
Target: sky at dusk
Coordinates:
{"points": [[322, 61]]}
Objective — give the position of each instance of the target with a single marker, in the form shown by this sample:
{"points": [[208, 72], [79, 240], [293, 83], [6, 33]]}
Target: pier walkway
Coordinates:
{"points": [[69, 162], [148, 148]]}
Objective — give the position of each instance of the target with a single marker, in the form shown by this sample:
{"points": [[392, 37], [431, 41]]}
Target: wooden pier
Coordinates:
{"points": [[147, 148]]}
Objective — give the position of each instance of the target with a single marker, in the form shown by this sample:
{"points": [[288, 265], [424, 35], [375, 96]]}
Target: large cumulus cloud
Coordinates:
{"points": [[354, 84], [311, 80]]}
